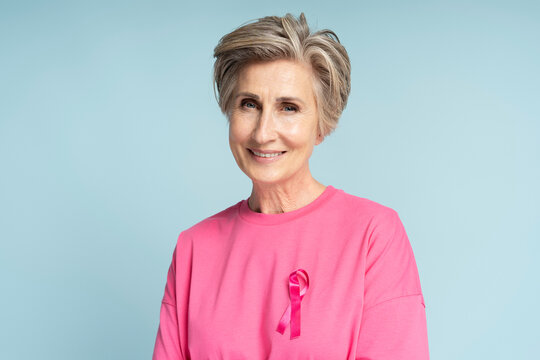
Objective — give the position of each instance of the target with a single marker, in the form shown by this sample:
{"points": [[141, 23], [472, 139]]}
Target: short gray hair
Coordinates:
{"points": [[274, 38]]}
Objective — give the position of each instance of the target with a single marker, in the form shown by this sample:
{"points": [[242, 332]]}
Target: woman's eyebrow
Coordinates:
{"points": [[279, 99], [289, 98], [248, 94]]}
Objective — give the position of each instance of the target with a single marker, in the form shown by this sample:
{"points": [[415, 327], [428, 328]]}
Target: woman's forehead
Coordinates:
{"points": [[280, 78]]}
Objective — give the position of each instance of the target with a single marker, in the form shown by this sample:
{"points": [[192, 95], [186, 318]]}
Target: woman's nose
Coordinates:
{"points": [[265, 129]]}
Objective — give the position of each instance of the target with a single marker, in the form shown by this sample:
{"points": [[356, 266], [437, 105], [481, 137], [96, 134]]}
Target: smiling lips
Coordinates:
{"points": [[266, 153]]}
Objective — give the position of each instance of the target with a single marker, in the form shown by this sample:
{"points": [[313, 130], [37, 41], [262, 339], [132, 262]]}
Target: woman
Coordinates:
{"points": [[299, 270]]}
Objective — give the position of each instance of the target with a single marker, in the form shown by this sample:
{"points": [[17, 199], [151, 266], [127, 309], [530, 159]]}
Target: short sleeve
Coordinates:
{"points": [[393, 320], [171, 335]]}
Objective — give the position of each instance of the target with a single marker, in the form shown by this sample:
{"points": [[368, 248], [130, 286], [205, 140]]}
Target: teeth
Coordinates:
{"points": [[267, 155]]}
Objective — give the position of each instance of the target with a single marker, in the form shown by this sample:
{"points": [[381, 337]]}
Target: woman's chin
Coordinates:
{"points": [[266, 179]]}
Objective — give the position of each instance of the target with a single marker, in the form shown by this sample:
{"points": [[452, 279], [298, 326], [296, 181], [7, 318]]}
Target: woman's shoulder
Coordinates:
{"points": [[364, 205], [381, 220], [213, 222]]}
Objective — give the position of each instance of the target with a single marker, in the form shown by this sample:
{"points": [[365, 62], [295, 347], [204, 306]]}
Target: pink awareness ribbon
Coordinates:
{"points": [[292, 313]]}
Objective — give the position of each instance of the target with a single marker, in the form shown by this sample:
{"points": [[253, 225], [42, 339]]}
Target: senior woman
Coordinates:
{"points": [[298, 270]]}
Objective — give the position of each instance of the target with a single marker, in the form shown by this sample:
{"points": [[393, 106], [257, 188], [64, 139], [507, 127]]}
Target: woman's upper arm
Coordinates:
{"points": [[167, 345], [394, 319], [171, 339]]}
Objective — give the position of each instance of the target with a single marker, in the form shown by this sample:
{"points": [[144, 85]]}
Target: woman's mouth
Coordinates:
{"points": [[266, 156]]}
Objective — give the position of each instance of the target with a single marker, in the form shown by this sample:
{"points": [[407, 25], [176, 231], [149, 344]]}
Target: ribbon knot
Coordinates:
{"points": [[292, 313]]}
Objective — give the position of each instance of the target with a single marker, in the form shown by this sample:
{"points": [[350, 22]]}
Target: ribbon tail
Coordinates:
{"points": [[284, 320], [295, 308]]}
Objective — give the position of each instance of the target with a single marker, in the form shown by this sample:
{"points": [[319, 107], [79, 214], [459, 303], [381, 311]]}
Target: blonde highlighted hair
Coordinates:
{"points": [[274, 38]]}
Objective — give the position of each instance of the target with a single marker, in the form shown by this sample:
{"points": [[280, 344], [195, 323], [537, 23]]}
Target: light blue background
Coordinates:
{"points": [[111, 143]]}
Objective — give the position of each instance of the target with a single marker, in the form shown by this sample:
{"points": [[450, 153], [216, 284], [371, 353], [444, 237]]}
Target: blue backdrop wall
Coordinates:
{"points": [[111, 143]]}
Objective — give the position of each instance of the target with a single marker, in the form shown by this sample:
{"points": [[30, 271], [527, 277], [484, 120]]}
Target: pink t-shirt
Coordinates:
{"points": [[340, 271]]}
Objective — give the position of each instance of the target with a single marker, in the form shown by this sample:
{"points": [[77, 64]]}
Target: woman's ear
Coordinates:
{"points": [[319, 139]]}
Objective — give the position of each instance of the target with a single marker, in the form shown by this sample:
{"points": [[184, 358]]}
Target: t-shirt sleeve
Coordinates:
{"points": [[394, 319], [171, 334]]}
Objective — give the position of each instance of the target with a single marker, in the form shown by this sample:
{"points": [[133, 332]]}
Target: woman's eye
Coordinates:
{"points": [[249, 104], [290, 108]]}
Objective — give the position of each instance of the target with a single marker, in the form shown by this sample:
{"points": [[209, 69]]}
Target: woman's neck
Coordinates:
{"points": [[280, 198]]}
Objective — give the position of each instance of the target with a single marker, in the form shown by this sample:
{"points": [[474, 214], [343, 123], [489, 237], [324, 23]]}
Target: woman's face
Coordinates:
{"points": [[274, 112]]}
